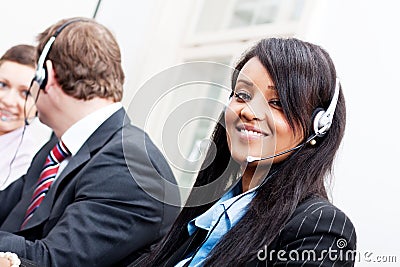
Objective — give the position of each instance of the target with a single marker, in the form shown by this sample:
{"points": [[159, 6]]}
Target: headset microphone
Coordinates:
{"points": [[322, 121], [27, 121], [250, 159], [3, 118]]}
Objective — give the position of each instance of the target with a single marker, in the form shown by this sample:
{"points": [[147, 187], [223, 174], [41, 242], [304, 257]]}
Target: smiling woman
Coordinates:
{"points": [[269, 211], [18, 144], [17, 67], [255, 122]]}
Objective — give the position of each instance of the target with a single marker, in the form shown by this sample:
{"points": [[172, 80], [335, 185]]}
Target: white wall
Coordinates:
{"points": [[363, 40], [22, 20], [131, 23]]}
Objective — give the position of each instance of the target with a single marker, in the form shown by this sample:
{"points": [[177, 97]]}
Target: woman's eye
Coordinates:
{"points": [[276, 103], [3, 85], [242, 96], [25, 93]]}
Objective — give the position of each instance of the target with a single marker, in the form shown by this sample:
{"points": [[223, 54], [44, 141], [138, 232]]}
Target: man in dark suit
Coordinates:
{"points": [[103, 195]]}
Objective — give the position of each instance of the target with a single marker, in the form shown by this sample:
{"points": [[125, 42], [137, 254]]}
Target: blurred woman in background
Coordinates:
{"points": [[18, 144]]}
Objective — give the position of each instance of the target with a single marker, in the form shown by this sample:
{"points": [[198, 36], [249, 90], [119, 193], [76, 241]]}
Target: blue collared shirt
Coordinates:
{"points": [[221, 217]]}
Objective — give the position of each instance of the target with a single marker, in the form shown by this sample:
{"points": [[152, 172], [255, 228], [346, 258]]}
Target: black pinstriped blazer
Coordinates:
{"points": [[318, 234]]}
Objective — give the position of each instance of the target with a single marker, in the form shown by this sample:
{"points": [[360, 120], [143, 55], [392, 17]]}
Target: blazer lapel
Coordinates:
{"points": [[43, 213], [96, 141]]}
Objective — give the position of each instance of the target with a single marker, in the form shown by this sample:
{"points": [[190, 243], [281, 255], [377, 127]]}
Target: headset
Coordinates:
{"points": [[321, 121], [41, 72]]}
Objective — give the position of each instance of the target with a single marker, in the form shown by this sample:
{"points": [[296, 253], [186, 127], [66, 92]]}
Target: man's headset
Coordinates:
{"points": [[322, 121], [41, 72]]}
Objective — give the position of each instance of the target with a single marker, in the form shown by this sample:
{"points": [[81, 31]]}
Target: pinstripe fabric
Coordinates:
{"points": [[316, 228], [47, 177]]}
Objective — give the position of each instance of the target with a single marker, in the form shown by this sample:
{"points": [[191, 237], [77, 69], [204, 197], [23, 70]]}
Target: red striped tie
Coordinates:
{"points": [[47, 176]]}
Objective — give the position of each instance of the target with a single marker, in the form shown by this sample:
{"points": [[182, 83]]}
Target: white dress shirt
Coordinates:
{"points": [[78, 133]]}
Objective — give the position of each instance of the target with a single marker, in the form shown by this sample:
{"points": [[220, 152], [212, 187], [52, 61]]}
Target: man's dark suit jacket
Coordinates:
{"points": [[317, 234], [99, 211]]}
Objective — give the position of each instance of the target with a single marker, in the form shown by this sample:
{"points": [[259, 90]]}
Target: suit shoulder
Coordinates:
{"points": [[314, 206], [317, 216], [139, 148], [135, 136]]}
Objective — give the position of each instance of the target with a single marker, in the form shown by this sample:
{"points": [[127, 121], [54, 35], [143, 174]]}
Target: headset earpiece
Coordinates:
{"points": [[41, 77], [45, 75], [322, 120], [319, 113], [41, 71]]}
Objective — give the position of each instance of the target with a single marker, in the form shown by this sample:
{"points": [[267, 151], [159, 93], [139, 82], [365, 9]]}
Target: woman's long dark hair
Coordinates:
{"points": [[304, 76]]}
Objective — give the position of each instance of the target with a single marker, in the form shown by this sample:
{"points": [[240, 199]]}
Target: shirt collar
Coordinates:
{"points": [[233, 204], [78, 133]]}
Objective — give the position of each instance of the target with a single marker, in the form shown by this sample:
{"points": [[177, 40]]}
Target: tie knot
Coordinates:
{"points": [[59, 152]]}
